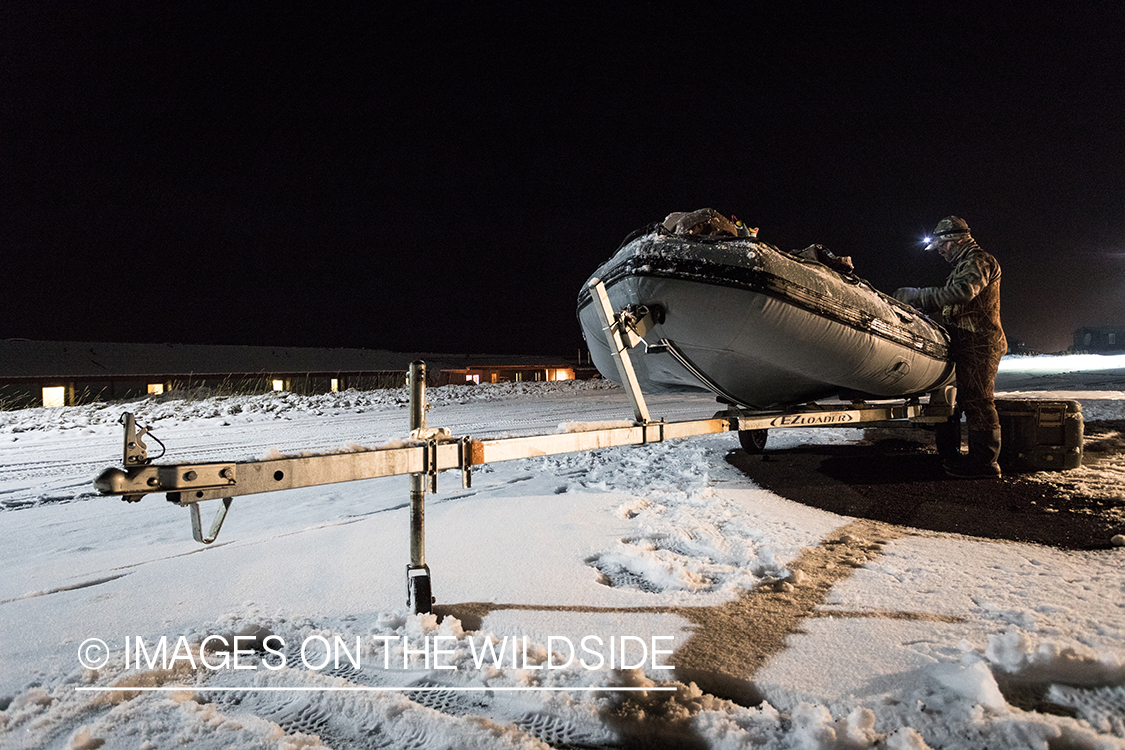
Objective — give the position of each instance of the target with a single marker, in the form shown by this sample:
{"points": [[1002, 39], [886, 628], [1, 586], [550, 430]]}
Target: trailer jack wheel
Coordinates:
{"points": [[419, 596], [753, 441]]}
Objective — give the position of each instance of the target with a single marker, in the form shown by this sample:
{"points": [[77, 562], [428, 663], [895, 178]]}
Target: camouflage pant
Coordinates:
{"points": [[977, 358]]}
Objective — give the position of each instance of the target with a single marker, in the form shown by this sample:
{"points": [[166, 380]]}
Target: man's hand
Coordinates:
{"points": [[908, 295]]}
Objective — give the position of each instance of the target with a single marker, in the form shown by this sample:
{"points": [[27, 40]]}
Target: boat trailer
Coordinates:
{"points": [[430, 451]]}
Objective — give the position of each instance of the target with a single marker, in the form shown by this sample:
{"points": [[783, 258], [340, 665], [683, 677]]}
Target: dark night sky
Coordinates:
{"points": [[442, 180]]}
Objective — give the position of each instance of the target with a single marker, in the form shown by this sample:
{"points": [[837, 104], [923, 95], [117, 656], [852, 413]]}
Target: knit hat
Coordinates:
{"points": [[949, 228]]}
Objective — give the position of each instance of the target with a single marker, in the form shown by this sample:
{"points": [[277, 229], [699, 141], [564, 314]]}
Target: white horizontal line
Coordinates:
{"points": [[359, 689]]}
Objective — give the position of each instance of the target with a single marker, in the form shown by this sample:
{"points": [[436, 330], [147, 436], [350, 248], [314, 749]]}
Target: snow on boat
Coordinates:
{"points": [[759, 327]]}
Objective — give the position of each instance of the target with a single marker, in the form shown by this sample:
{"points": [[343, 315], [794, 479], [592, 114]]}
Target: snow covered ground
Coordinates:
{"points": [[827, 631]]}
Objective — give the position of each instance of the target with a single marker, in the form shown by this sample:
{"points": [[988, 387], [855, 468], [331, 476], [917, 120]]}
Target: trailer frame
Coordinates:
{"points": [[430, 451]]}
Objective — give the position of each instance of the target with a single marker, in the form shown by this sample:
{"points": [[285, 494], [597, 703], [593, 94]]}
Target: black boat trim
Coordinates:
{"points": [[762, 282]]}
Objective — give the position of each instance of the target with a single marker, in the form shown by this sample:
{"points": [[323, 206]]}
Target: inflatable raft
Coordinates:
{"points": [[759, 327]]}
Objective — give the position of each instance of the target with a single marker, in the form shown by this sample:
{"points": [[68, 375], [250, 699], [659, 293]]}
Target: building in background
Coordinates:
{"points": [[63, 373], [1100, 340]]}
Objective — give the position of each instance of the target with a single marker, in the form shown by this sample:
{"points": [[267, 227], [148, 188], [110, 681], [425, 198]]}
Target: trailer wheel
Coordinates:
{"points": [[753, 441]]}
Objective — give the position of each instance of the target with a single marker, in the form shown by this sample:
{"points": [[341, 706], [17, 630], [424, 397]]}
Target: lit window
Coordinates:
{"points": [[472, 379], [335, 386], [561, 375], [279, 385], [54, 396], [156, 388]]}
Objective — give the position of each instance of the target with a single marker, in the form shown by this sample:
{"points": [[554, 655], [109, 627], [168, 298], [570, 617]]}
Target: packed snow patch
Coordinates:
{"points": [[179, 406]]}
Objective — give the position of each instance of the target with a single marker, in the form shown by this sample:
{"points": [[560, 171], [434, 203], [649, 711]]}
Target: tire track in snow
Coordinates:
{"points": [[732, 641], [60, 589]]}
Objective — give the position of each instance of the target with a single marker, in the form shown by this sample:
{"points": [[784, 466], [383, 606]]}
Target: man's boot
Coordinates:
{"points": [[947, 439], [981, 462]]}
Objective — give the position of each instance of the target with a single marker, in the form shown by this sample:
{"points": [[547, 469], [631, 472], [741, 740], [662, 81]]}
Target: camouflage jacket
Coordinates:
{"points": [[970, 299]]}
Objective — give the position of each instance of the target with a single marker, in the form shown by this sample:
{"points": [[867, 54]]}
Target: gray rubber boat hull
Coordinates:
{"points": [[762, 328]]}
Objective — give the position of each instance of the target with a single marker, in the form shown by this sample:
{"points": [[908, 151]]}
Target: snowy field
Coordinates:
{"points": [[568, 585]]}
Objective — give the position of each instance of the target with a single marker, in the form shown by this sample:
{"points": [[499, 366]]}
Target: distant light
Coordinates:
{"points": [[927, 240], [1048, 364]]}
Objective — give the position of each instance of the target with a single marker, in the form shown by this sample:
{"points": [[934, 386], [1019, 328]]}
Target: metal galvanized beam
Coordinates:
{"points": [[195, 482], [618, 350], [508, 449], [190, 483]]}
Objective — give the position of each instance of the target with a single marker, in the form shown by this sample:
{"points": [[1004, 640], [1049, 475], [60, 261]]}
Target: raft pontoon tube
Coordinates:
{"points": [[759, 327]]}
